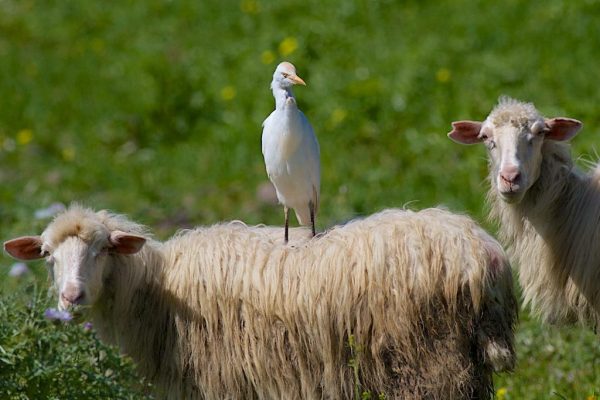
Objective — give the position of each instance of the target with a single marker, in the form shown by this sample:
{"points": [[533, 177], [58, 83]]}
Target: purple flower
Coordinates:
{"points": [[49, 211], [57, 315], [87, 326], [18, 269]]}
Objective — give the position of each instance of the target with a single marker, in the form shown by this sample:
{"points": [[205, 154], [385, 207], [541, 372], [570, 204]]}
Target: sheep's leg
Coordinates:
{"points": [[311, 208], [286, 211]]}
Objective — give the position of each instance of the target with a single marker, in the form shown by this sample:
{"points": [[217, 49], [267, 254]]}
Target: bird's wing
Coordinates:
{"points": [[265, 126], [312, 157], [309, 134]]}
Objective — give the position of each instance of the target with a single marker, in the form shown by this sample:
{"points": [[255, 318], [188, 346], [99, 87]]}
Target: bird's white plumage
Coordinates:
{"points": [[290, 148]]}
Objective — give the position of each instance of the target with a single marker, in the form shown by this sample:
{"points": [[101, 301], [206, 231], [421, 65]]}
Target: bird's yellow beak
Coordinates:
{"points": [[297, 80]]}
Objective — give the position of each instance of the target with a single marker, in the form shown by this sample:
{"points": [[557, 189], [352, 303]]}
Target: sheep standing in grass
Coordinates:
{"points": [[228, 311], [549, 211]]}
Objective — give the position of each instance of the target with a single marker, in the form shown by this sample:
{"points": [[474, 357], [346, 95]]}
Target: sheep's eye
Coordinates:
{"points": [[103, 251], [539, 128], [486, 139], [285, 74]]}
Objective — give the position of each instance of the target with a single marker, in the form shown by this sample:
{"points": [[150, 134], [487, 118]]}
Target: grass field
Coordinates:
{"points": [[154, 109]]}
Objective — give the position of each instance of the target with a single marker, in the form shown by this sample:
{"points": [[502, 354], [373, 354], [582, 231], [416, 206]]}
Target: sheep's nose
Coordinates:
{"points": [[73, 295], [510, 174]]}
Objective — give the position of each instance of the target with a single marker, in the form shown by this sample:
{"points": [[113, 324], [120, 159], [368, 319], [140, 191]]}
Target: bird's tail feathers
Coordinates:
{"points": [[303, 213], [315, 201]]}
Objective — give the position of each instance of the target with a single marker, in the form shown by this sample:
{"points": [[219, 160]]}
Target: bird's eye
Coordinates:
{"points": [[285, 74]]}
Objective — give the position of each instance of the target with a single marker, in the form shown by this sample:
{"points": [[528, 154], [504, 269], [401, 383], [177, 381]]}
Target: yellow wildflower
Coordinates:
{"points": [[337, 116], [24, 136], [591, 397], [68, 153], [442, 75], [267, 57], [288, 46], [228, 93], [501, 393], [250, 6]]}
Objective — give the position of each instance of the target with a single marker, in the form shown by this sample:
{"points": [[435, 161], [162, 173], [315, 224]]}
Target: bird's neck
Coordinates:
{"points": [[281, 95]]}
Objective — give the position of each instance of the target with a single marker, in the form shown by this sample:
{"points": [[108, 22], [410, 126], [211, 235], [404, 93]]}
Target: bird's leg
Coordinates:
{"points": [[286, 211], [311, 208]]}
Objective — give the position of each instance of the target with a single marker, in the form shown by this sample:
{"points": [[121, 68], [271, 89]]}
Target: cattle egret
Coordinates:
{"points": [[291, 151]]}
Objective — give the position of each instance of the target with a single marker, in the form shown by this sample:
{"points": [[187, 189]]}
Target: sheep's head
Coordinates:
{"points": [[77, 247], [513, 134]]}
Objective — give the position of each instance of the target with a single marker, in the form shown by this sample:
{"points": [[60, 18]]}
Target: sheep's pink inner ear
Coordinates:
{"points": [[465, 132], [562, 128], [126, 243], [25, 247]]}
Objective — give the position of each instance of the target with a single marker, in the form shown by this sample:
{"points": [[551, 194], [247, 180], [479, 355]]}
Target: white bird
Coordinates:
{"points": [[291, 151]]}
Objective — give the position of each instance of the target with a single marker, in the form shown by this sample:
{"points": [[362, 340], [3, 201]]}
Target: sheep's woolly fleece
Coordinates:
{"points": [[229, 312]]}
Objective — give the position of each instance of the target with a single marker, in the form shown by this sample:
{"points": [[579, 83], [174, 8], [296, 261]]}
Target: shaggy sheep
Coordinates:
{"points": [[549, 211], [228, 311]]}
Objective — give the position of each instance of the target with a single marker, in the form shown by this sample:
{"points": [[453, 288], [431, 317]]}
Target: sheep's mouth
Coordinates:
{"points": [[511, 196], [74, 309], [511, 192], [78, 311]]}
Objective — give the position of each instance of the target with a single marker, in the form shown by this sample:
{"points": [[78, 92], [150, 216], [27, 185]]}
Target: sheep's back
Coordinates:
{"points": [[421, 302]]}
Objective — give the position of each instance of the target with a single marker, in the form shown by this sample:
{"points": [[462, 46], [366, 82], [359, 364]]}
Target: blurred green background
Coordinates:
{"points": [[154, 109]]}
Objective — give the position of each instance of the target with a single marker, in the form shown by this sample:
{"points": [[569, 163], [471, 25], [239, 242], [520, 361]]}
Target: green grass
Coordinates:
{"points": [[154, 109]]}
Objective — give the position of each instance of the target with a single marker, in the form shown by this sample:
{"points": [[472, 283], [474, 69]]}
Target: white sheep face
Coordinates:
{"points": [[514, 144], [515, 152], [77, 268], [78, 271]]}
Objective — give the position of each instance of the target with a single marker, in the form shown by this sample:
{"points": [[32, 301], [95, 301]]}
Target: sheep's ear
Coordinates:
{"points": [[466, 132], [25, 247], [126, 243], [562, 128]]}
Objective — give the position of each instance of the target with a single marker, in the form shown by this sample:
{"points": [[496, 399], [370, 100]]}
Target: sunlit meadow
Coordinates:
{"points": [[154, 109]]}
